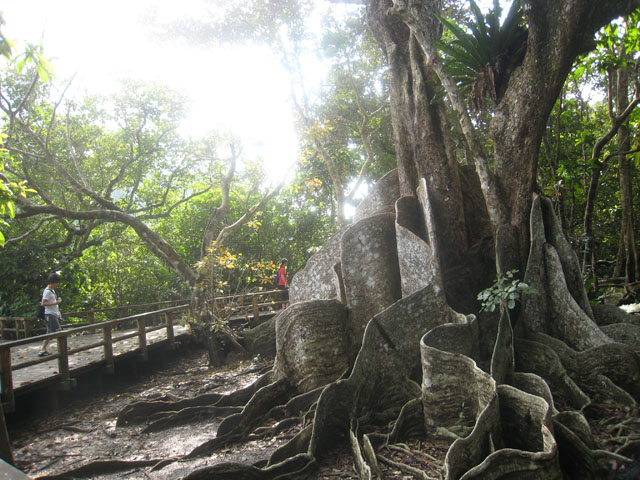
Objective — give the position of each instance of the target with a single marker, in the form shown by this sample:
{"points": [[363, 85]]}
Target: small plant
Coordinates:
{"points": [[506, 288]]}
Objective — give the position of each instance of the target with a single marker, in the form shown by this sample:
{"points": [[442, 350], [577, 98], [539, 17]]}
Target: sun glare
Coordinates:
{"points": [[240, 90]]}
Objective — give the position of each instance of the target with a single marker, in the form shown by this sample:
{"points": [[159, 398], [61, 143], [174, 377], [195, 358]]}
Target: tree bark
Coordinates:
{"points": [[558, 32]]}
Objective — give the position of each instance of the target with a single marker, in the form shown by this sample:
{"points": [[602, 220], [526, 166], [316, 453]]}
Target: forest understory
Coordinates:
{"points": [[83, 432]]}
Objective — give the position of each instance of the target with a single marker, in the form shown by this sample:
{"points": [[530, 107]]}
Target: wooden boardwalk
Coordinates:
{"points": [[79, 350], [97, 346]]}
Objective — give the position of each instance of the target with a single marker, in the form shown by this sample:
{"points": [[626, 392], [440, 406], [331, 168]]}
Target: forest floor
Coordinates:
{"points": [[84, 430]]}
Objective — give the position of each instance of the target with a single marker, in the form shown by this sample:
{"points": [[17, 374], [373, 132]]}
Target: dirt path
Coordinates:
{"points": [[84, 430]]}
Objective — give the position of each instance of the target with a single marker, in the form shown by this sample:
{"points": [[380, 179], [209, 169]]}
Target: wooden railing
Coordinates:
{"points": [[107, 329], [246, 303], [13, 328], [23, 327]]}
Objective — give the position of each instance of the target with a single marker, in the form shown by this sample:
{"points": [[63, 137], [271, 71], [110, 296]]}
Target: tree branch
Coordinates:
{"points": [[229, 230], [31, 231], [218, 214], [156, 244]]}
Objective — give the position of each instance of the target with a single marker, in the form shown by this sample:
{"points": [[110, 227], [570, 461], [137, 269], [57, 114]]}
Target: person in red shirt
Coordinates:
{"points": [[283, 283]]}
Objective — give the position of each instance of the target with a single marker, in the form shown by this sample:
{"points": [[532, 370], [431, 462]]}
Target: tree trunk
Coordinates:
{"points": [[419, 125], [630, 259], [558, 32]]}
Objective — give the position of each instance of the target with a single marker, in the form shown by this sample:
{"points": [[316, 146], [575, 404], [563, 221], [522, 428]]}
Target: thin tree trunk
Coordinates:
{"points": [[627, 236]]}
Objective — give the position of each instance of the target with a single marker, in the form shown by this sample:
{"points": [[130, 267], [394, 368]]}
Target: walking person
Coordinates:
{"points": [[282, 283], [50, 302]]}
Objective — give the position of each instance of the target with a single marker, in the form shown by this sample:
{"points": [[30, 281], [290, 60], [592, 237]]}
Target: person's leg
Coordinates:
{"points": [[52, 326]]}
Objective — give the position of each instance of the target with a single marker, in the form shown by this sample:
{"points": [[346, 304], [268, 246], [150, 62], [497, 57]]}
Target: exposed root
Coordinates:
{"points": [[402, 447], [186, 416], [238, 426], [102, 467], [403, 467], [139, 412], [299, 444], [293, 466], [281, 426]]}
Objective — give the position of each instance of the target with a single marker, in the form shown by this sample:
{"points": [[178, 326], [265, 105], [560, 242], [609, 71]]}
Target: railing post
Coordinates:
{"points": [[142, 338], [256, 310], [28, 327], [169, 322], [63, 362], [6, 381], [19, 322], [108, 349]]}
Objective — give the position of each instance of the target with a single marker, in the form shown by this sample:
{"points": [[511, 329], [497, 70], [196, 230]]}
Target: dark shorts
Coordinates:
{"points": [[53, 324], [284, 296]]}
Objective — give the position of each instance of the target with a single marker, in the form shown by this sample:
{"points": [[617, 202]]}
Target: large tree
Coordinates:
{"points": [[384, 339]]}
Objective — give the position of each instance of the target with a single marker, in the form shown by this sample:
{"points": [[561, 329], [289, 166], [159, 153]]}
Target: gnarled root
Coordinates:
{"points": [[102, 467], [238, 426], [141, 412]]}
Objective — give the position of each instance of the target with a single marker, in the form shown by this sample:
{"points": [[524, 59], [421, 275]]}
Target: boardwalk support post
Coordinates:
{"points": [[169, 322], [256, 310], [28, 327], [63, 363], [108, 349], [6, 381], [142, 339]]}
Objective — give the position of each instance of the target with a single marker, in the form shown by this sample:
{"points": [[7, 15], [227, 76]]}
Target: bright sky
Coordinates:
{"points": [[232, 89], [246, 92]]}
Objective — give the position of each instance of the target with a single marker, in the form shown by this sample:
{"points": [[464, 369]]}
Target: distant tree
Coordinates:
{"points": [[105, 165]]}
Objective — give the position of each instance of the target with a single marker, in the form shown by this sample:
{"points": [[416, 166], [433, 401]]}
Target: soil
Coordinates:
{"points": [[84, 430]]}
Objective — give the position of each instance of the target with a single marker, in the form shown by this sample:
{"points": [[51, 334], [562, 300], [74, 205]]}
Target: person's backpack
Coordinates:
{"points": [[40, 311], [275, 279]]}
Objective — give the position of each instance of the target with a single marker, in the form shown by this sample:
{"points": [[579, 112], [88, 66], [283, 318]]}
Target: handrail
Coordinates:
{"points": [[24, 326], [121, 307], [93, 326]]}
